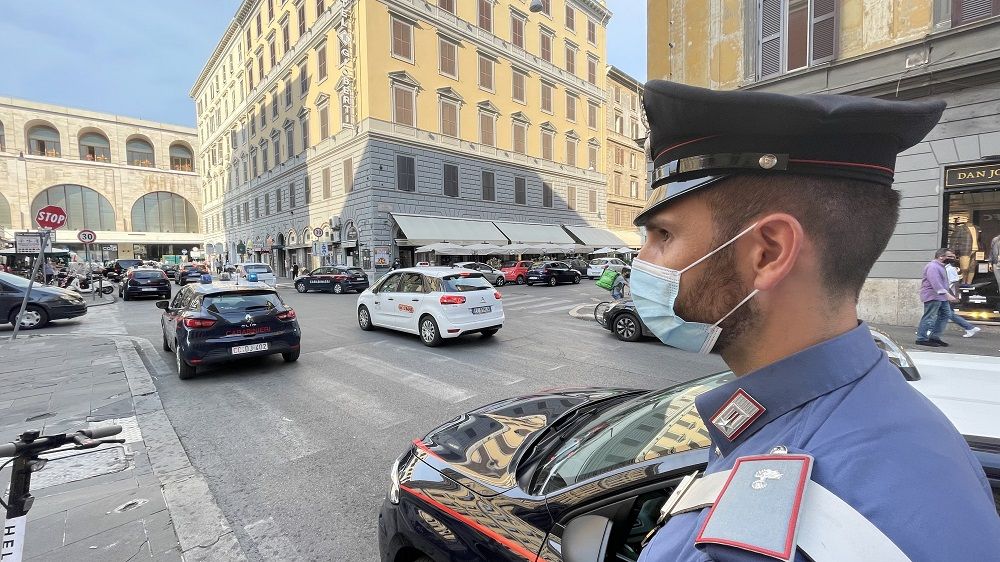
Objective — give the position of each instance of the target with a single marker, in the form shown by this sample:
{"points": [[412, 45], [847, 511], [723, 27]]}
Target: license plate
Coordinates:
{"points": [[482, 309], [249, 348], [149, 288]]}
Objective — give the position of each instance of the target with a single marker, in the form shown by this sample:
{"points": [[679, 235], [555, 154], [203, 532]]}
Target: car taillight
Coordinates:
{"points": [[452, 299], [339, 277], [287, 315], [497, 295], [199, 322]]}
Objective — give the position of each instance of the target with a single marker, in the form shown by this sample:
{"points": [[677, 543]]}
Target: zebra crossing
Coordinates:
{"points": [[541, 304]]}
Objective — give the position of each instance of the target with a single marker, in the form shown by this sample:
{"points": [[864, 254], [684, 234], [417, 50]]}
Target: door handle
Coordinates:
{"points": [[389, 299], [415, 300], [376, 302]]}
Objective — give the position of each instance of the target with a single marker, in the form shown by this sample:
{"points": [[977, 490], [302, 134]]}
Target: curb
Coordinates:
{"points": [[203, 531]]}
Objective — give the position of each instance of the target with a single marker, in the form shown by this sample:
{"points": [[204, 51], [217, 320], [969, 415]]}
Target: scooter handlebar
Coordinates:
{"points": [[101, 432], [8, 450]]}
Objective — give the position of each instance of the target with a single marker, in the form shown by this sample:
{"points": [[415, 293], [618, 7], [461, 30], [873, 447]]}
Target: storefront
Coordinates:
{"points": [[971, 226]]}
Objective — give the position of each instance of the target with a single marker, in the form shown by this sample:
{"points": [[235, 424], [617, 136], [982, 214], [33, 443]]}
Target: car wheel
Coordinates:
{"points": [[520, 280], [429, 333], [553, 281], [365, 319], [576, 279], [490, 332], [301, 287], [166, 345], [291, 356], [34, 317], [338, 289], [627, 327], [184, 371]]}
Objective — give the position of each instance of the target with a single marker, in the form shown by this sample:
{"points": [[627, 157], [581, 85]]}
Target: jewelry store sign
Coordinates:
{"points": [[966, 176]]}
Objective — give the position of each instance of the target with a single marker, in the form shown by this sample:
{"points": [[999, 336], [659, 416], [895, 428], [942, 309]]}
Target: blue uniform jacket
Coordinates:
{"points": [[878, 444]]}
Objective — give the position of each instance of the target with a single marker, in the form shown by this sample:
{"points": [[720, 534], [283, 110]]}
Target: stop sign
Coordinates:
{"points": [[50, 216]]}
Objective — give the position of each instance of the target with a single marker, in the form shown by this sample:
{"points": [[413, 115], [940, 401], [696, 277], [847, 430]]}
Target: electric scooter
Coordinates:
{"points": [[25, 453]]}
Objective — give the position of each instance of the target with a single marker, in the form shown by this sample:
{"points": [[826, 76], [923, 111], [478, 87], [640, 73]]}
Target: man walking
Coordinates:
{"points": [[936, 298], [295, 270], [953, 279], [48, 270]]}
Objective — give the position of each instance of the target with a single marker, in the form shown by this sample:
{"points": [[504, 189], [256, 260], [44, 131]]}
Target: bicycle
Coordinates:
{"points": [[24, 453], [599, 311]]}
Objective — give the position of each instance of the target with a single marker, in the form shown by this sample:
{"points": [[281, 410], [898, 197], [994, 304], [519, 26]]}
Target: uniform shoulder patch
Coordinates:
{"points": [[758, 507]]}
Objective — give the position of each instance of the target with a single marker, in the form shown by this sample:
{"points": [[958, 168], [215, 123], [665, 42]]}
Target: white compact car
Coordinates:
{"points": [[264, 273], [432, 302], [597, 266]]}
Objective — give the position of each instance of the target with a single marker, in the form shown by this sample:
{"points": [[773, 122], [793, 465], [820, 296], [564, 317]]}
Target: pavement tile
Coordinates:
{"points": [[45, 534], [100, 515], [120, 544], [56, 499], [162, 538]]}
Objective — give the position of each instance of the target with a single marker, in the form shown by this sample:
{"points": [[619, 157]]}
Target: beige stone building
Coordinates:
{"points": [[626, 159], [131, 181]]}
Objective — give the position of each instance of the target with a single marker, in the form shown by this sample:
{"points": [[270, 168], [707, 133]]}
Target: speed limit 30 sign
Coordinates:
{"points": [[87, 236]]}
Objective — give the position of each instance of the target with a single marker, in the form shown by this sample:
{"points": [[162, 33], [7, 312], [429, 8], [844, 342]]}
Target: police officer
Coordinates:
{"points": [[767, 214]]}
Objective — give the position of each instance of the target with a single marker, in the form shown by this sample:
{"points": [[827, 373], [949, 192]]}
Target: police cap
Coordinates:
{"points": [[698, 136]]}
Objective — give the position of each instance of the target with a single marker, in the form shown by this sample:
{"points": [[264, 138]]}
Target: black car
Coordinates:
{"points": [[580, 265], [44, 303], [511, 481], [190, 273], [207, 323], [624, 322], [144, 282], [334, 279], [552, 273], [120, 266], [170, 269], [493, 275]]}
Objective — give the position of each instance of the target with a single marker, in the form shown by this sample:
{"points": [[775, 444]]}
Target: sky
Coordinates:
{"points": [[139, 58]]}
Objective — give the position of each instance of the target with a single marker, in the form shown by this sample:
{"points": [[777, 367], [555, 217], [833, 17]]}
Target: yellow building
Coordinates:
{"points": [[374, 127], [894, 49], [625, 159]]}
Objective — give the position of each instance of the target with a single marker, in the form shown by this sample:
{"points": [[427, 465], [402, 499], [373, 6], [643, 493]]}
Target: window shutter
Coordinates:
{"points": [[965, 11], [823, 27], [769, 61]]}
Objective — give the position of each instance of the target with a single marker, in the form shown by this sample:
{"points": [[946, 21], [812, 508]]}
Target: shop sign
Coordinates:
{"points": [[110, 247], [966, 176], [381, 256]]}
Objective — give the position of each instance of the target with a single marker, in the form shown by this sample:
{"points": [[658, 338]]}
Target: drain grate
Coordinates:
{"points": [[72, 466]]}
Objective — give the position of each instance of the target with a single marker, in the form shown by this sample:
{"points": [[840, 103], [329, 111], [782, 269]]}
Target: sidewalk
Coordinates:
{"points": [[141, 500]]}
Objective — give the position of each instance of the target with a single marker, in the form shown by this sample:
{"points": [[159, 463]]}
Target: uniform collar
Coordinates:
{"points": [[750, 402]]}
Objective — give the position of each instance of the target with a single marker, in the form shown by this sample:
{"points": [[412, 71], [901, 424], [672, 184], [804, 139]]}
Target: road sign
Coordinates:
{"points": [[50, 216], [317, 232], [184, 252], [27, 242], [86, 236], [324, 249]]}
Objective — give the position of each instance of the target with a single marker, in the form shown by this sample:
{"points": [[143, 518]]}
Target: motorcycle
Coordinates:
{"points": [[84, 286]]}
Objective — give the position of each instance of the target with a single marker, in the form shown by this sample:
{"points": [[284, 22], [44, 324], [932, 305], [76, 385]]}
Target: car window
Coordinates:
{"points": [[411, 283], [560, 264], [242, 301], [354, 271], [154, 274], [651, 426], [462, 282], [181, 298], [258, 268], [510, 264], [388, 284], [322, 271]]}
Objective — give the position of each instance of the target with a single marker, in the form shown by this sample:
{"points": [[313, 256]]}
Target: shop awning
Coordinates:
{"points": [[631, 237], [596, 237], [420, 230], [528, 233]]}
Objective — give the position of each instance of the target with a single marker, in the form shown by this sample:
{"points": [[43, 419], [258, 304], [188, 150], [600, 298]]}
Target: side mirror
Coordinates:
{"points": [[586, 538], [165, 305]]}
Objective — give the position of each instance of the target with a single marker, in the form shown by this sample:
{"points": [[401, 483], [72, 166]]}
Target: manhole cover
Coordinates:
{"points": [[79, 465]]}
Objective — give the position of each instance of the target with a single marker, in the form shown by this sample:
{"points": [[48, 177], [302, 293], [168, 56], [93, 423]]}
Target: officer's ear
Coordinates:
{"points": [[775, 249]]}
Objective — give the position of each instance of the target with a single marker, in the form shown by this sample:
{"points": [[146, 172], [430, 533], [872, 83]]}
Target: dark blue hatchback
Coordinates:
{"points": [[208, 323]]}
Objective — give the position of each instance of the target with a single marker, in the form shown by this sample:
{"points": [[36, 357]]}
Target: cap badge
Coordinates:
{"points": [[762, 476], [767, 161], [737, 414]]}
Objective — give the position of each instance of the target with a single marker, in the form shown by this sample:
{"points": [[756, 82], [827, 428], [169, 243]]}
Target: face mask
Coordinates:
{"points": [[654, 290]]}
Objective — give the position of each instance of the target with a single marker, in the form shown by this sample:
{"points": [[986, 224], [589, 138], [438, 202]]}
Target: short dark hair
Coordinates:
{"points": [[941, 252], [849, 221]]}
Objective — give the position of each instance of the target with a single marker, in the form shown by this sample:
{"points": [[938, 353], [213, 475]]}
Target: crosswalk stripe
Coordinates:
{"points": [[414, 380], [551, 309], [534, 306]]}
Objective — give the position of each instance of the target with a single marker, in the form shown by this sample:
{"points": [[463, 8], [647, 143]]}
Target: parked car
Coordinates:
{"points": [[579, 264], [490, 485], [263, 271], [552, 273], [434, 302], [622, 319], [144, 282], [334, 279], [494, 276], [190, 273], [598, 265], [516, 271], [45, 303], [208, 323]]}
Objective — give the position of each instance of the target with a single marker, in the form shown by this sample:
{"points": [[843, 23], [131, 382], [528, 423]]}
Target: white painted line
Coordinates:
{"points": [[491, 374], [271, 541], [556, 368], [521, 306], [416, 381], [561, 307]]}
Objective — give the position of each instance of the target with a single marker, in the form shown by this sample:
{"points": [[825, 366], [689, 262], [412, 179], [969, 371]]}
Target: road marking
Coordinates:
{"points": [[492, 375], [536, 305], [556, 368], [549, 309], [416, 381], [353, 402], [270, 541]]}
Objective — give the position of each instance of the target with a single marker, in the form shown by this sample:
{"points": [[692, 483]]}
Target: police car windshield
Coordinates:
{"points": [[651, 426]]}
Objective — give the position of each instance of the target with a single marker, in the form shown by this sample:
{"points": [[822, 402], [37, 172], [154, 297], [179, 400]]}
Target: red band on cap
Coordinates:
{"points": [[680, 144], [846, 164]]}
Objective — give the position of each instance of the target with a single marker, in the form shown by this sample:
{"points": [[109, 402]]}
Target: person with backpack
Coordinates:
{"points": [[620, 289]]}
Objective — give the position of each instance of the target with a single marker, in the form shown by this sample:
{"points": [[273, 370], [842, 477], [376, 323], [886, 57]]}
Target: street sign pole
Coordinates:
{"points": [[44, 239]]}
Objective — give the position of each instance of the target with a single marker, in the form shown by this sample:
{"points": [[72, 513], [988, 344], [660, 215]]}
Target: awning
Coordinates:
{"points": [[529, 233], [631, 237], [420, 230], [596, 237]]}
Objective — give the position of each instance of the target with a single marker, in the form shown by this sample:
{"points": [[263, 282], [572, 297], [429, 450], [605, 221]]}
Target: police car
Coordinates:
{"points": [[435, 303], [512, 480], [209, 323], [333, 279]]}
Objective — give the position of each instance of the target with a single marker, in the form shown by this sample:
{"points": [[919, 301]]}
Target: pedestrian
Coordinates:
{"points": [[48, 270], [620, 288], [937, 299], [295, 270], [767, 214], [951, 269], [395, 264]]}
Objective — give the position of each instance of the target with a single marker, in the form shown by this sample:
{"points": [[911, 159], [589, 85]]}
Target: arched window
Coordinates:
{"points": [[162, 211], [95, 147], [85, 208], [5, 210], [43, 141], [3, 141], [181, 158], [140, 153]]}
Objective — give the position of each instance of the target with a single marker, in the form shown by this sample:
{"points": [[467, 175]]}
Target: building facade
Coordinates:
{"points": [[625, 159], [893, 49], [133, 182], [323, 122]]}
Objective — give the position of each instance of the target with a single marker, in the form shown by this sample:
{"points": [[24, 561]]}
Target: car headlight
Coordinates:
{"points": [[394, 483], [71, 299]]}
